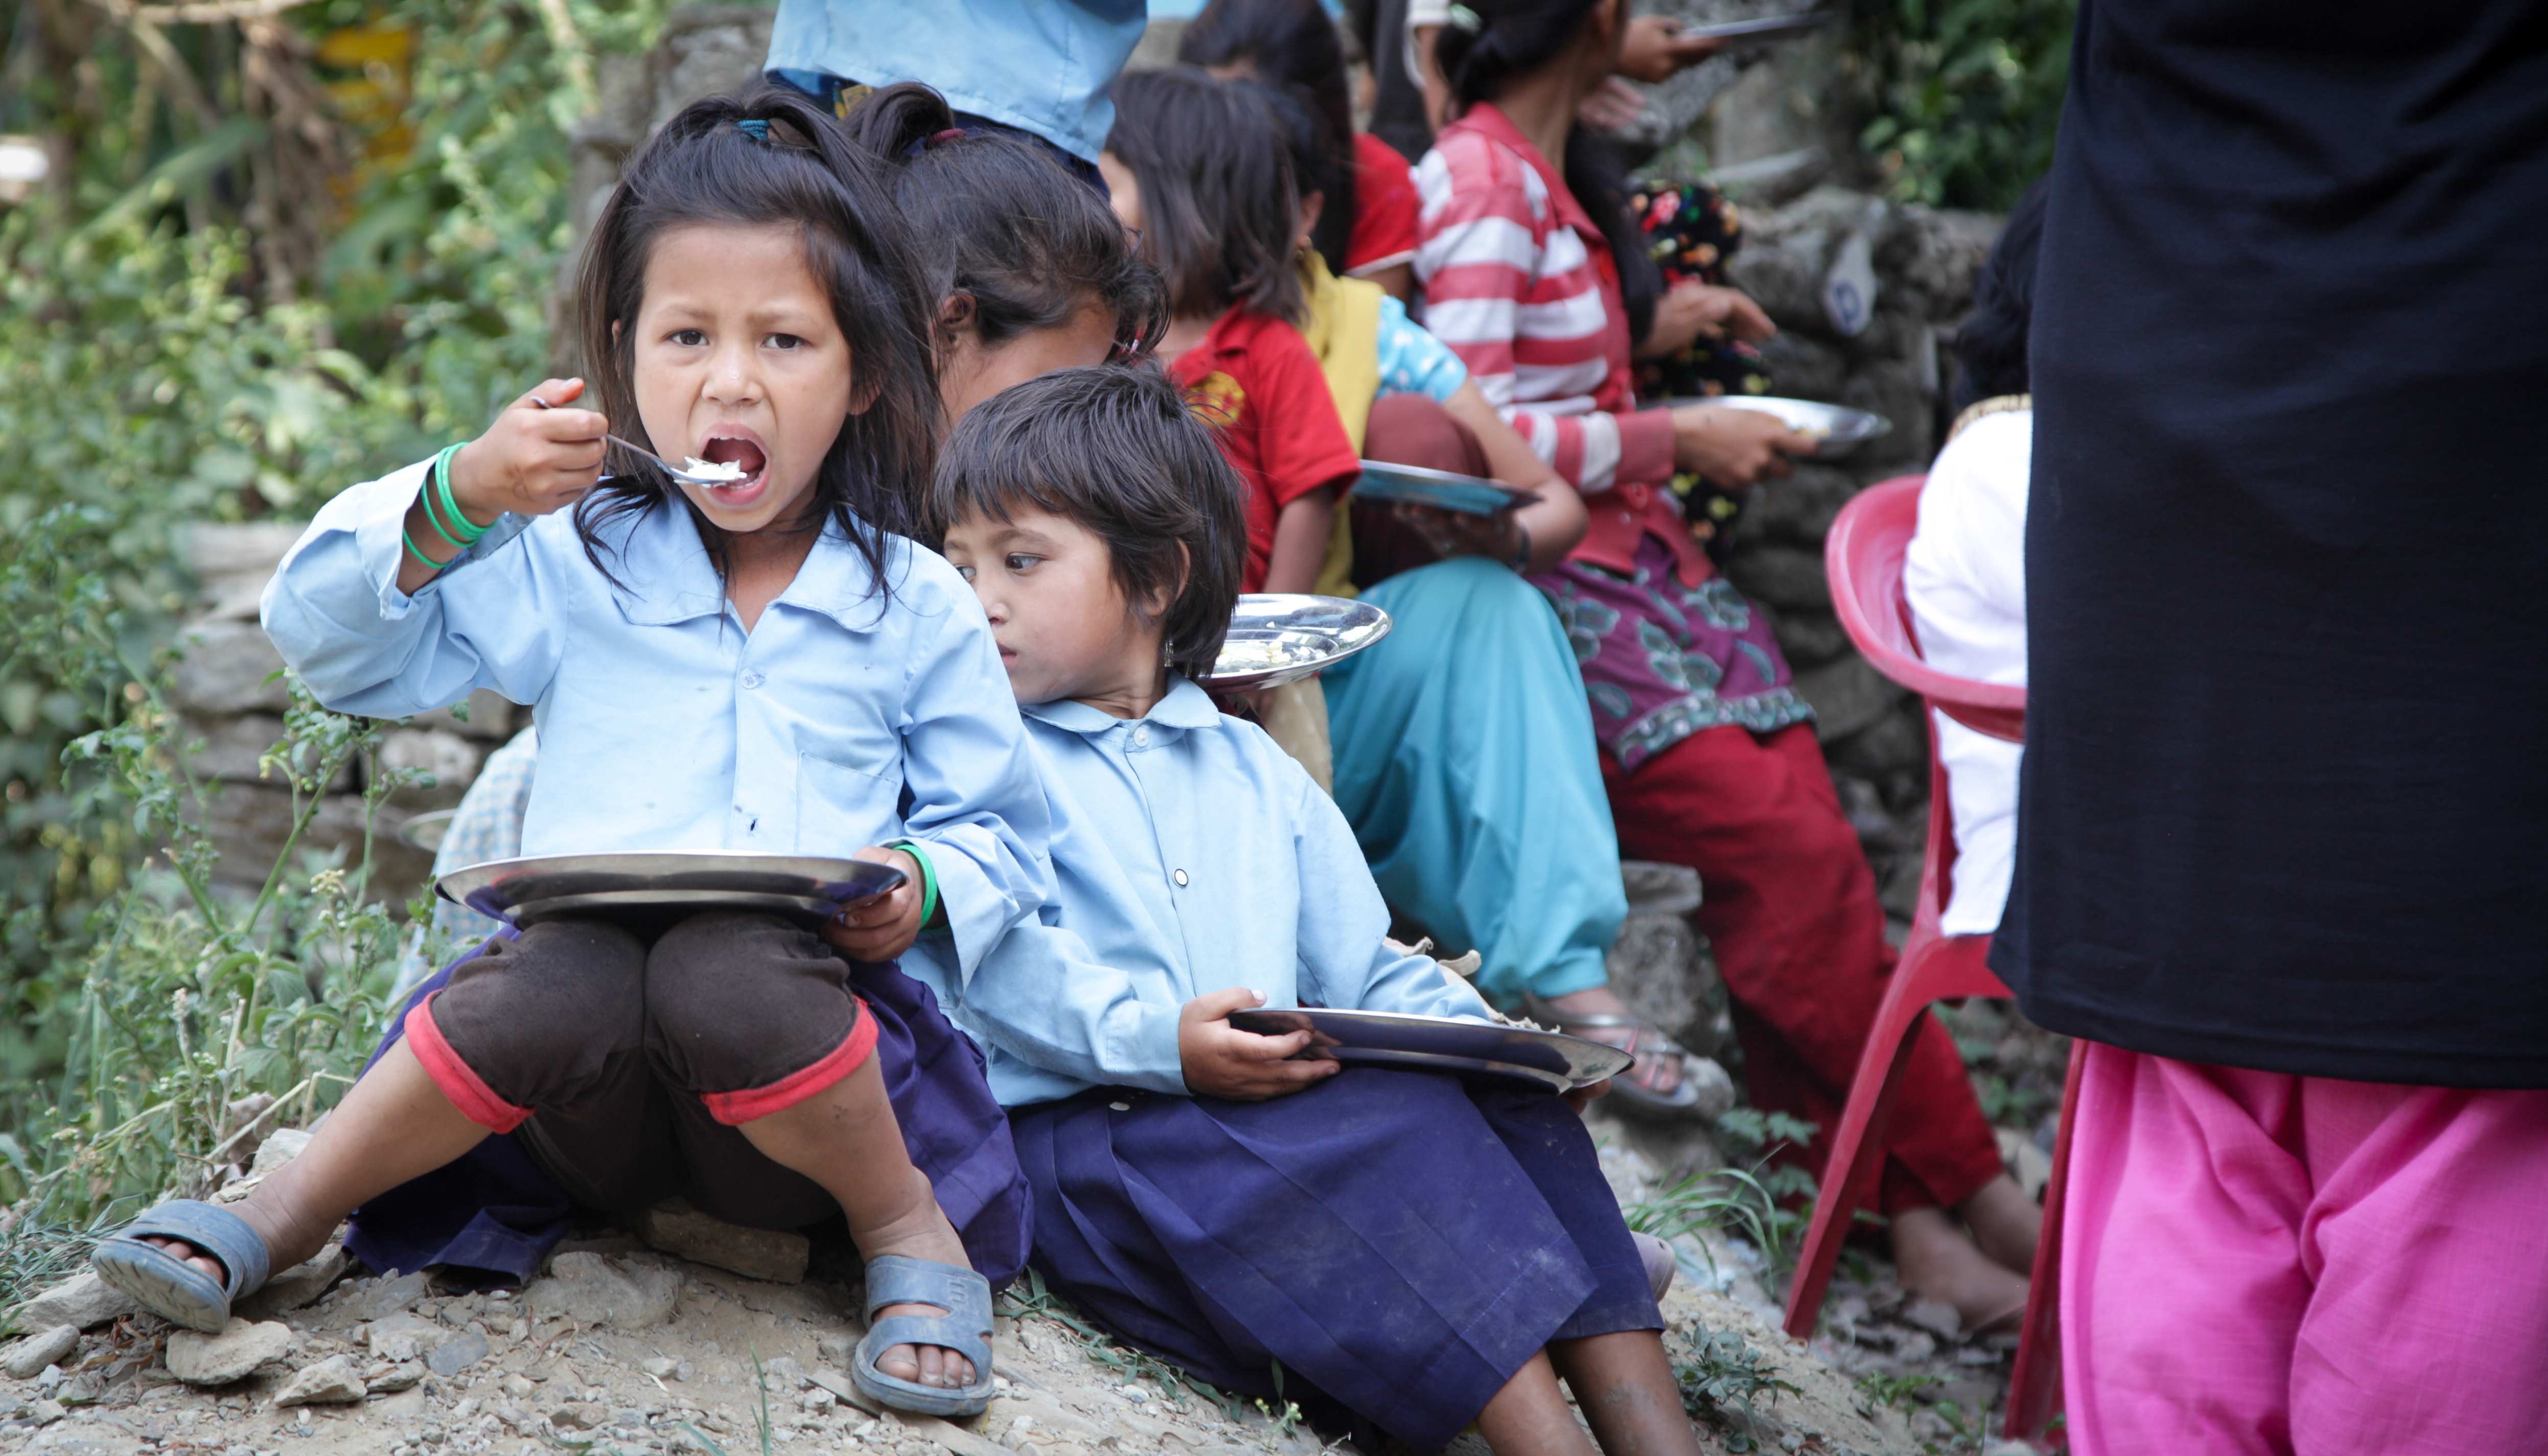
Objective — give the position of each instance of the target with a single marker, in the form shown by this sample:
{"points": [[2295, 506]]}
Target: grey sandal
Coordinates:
{"points": [[964, 1329], [172, 1288], [1647, 1045]]}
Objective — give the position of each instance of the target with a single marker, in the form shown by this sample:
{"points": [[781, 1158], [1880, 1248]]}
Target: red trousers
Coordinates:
{"points": [[1792, 912]]}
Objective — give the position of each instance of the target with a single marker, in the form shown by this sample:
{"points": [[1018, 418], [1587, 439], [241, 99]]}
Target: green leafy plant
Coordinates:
{"points": [[1967, 94], [1724, 1381]]}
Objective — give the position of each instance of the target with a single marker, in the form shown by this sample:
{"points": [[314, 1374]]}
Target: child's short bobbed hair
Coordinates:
{"points": [[1219, 206], [1112, 448]]}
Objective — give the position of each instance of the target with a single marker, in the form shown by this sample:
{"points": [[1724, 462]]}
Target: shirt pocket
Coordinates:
{"points": [[841, 807]]}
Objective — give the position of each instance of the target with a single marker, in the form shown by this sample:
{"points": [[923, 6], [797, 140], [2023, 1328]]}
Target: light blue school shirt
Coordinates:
{"points": [[1044, 65], [1191, 855], [837, 722]]}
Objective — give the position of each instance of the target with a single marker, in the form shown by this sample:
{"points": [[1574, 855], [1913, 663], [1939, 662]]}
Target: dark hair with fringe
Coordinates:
{"points": [[1115, 449], [1513, 38], [1990, 345], [1219, 206], [1295, 48], [794, 167], [1008, 226]]}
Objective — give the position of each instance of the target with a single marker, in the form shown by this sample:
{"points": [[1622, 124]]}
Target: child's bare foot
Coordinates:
{"points": [[921, 1234], [1935, 1259], [2005, 1222]]}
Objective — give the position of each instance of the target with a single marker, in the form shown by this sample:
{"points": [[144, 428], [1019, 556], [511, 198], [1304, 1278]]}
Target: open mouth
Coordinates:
{"points": [[739, 453]]}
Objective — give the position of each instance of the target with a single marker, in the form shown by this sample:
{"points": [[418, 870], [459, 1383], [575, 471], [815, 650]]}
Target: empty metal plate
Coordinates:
{"points": [[1837, 428], [1551, 1059], [1278, 637], [549, 886], [1443, 490]]}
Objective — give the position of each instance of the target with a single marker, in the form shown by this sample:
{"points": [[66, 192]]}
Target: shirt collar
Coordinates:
{"points": [[1186, 707], [664, 575], [1489, 121]]}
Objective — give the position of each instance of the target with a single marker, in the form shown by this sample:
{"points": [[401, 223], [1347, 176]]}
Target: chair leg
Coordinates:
{"points": [[2035, 1382], [1857, 1147]]}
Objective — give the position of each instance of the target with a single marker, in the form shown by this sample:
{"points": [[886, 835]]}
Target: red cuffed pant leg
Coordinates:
{"points": [[1791, 913]]}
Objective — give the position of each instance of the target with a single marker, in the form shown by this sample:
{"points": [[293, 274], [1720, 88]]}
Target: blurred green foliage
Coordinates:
{"points": [[276, 254], [1967, 94]]}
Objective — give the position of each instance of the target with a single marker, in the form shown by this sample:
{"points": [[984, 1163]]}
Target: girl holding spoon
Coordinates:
{"points": [[760, 663]]}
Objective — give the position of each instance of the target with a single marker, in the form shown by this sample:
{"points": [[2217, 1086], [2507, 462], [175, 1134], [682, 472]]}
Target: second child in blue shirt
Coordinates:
{"points": [[1412, 1250], [764, 665]]}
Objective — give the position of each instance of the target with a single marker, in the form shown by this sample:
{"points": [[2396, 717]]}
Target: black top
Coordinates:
{"points": [[2285, 800]]}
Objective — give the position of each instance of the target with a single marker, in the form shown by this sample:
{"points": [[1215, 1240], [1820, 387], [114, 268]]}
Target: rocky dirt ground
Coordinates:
{"points": [[622, 1347]]}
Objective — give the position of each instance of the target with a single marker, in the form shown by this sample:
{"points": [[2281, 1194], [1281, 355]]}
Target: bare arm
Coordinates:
{"points": [[1301, 532], [1557, 523]]}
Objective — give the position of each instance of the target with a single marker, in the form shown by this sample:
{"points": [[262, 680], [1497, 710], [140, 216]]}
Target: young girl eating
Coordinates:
{"points": [[760, 665], [1417, 1250]]}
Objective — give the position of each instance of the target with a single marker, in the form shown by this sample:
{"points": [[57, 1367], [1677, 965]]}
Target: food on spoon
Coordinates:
{"points": [[1260, 655], [712, 470]]}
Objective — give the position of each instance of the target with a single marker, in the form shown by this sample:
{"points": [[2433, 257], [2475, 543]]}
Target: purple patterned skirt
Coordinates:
{"points": [[1663, 661]]}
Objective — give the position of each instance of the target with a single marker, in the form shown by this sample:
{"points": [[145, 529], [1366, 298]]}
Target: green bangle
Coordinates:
{"points": [[424, 497], [420, 557], [928, 879], [469, 530]]}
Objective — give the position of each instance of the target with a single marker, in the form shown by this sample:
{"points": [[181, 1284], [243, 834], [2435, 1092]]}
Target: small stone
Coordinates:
{"points": [[784, 1372], [243, 1345], [331, 1382], [676, 1228], [591, 1289], [683, 1371], [44, 1413], [28, 1358], [1715, 1087], [457, 1354], [389, 1379], [84, 1300], [661, 1367], [394, 1296], [1936, 1316], [835, 1348], [575, 1417], [519, 1387], [300, 1286]]}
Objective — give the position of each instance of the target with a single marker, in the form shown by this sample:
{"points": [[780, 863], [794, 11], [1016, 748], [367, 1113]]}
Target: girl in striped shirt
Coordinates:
{"points": [[1539, 279]]}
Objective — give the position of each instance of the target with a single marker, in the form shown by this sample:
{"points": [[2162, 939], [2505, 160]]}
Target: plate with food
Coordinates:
{"points": [[1836, 429], [526, 891], [1550, 1059], [1761, 29], [1443, 490], [1281, 637]]}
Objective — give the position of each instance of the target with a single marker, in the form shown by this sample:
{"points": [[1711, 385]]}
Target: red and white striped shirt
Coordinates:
{"points": [[1520, 284]]}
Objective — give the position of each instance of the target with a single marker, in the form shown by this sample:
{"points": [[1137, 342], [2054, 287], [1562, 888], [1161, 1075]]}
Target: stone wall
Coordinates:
{"points": [[233, 699]]}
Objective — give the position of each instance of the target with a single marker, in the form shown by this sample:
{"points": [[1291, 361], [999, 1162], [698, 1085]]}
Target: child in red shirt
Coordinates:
{"points": [[1202, 171]]}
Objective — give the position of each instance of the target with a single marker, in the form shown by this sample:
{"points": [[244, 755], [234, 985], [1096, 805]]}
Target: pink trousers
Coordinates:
{"points": [[2261, 1263]]}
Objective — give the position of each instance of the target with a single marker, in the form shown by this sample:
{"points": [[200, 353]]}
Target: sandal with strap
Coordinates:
{"points": [[964, 1329], [1652, 1049], [168, 1285]]}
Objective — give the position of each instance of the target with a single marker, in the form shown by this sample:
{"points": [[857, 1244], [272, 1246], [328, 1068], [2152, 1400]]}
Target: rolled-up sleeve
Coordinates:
{"points": [[496, 618]]}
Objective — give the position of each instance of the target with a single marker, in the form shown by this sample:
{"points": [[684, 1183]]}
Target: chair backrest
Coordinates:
{"points": [[1862, 558]]}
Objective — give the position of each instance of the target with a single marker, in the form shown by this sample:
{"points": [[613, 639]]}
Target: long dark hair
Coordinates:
{"points": [[1007, 226], [1116, 450], [772, 157], [1990, 346], [1219, 203], [1293, 45], [1514, 37]]}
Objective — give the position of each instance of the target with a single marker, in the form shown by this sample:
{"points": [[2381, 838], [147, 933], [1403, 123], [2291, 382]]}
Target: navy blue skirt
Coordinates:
{"points": [[1402, 1243], [496, 1213]]}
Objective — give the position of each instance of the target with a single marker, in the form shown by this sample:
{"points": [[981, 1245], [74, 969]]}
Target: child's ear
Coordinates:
{"points": [[1312, 205], [955, 316], [1166, 594]]}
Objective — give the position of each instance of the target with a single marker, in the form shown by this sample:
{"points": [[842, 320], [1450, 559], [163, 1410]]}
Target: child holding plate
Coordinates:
{"points": [[1413, 1250]]}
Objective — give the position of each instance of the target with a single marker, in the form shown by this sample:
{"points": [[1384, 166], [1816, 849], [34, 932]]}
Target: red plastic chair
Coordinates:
{"points": [[1862, 557]]}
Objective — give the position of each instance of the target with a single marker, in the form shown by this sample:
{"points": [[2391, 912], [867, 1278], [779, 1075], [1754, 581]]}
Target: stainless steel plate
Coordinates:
{"points": [[548, 886], [426, 831], [1550, 1059], [1837, 428], [1277, 638], [1443, 490], [1763, 28]]}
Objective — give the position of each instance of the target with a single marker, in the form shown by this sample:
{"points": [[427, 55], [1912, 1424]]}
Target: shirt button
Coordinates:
{"points": [[751, 679], [1179, 877], [1142, 736]]}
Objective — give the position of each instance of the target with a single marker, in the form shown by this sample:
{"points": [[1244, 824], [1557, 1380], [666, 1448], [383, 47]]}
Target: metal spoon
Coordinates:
{"points": [[674, 471]]}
